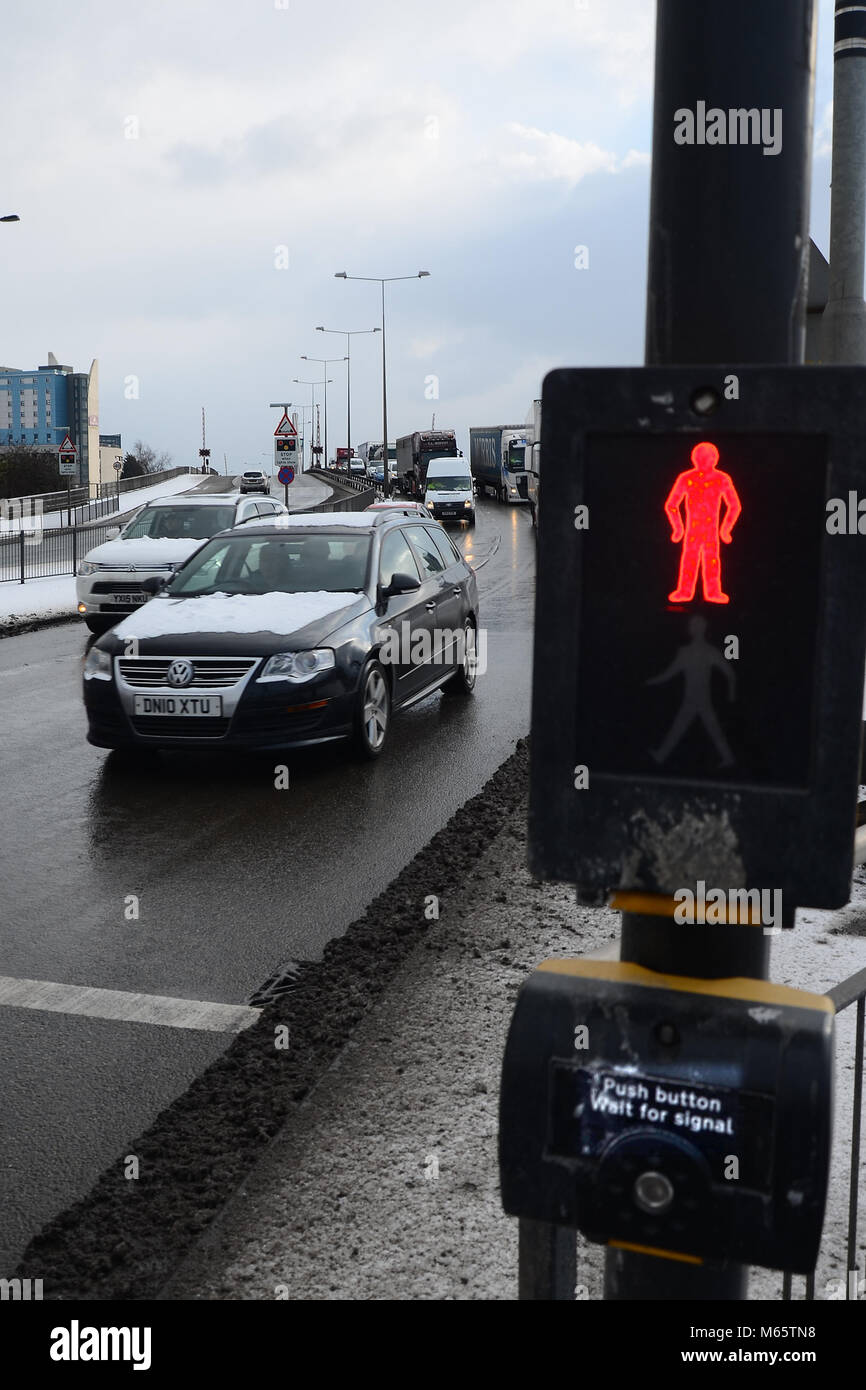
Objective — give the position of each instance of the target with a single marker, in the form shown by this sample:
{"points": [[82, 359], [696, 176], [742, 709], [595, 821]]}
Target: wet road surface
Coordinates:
{"points": [[197, 879]]}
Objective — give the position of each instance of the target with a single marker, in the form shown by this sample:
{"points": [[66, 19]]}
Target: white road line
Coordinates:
{"points": [[164, 1010]]}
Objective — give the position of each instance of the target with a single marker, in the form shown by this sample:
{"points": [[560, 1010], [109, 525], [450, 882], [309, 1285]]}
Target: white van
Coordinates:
{"points": [[449, 494]]}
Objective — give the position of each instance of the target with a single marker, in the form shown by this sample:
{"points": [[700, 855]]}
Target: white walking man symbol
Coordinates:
{"points": [[695, 661]]}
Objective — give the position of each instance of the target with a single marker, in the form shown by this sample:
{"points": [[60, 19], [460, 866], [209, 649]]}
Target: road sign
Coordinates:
{"points": [[285, 427], [117, 465], [286, 474], [68, 456], [701, 529], [285, 446]]}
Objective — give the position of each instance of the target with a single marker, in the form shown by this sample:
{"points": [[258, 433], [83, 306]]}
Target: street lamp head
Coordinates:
{"points": [[320, 328], [340, 275], [11, 217], [422, 273]]}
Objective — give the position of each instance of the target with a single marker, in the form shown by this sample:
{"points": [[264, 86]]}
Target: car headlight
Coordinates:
{"points": [[298, 666], [467, 504], [97, 666], [86, 568]]}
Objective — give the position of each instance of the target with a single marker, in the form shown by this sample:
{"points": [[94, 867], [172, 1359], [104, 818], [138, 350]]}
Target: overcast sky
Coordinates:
{"points": [[162, 156]]}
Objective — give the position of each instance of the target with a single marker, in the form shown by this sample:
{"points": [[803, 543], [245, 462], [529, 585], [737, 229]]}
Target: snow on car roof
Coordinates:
{"points": [[279, 613], [297, 520], [213, 499]]}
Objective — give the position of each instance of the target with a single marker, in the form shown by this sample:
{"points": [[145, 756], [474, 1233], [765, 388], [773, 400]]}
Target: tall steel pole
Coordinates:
{"points": [[843, 323], [728, 249], [348, 396], [729, 224], [349, 334], [383, 281], [326, 362], [386, 477]]}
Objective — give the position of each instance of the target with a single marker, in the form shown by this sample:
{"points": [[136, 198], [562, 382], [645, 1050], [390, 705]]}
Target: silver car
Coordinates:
{"points": [[111, 579]]}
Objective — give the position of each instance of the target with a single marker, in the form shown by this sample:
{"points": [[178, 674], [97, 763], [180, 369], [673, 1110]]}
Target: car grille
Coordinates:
{"points": [[168, 727], [210, 671], [148, 567], [104, 586]]}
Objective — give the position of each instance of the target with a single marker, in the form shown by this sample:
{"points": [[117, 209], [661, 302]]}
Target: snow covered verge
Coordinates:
{"points": [[36, 603]]}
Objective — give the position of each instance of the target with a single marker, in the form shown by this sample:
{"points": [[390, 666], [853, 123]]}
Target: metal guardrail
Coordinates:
{"points": [[359, 493]]}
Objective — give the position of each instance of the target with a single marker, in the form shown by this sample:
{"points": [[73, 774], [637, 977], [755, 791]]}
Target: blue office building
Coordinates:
{"points": [[37, 408]]}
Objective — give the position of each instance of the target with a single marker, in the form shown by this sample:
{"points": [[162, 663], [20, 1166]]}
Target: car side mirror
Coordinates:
{"points": [[401, 584], [153, 584], [112, 533]]}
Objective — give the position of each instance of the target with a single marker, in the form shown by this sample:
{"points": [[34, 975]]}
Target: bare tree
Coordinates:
{"points": [[142, 458]]}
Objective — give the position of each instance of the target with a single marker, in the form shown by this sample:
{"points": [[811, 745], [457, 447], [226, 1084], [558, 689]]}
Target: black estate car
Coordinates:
{"points": [[296, 630]]}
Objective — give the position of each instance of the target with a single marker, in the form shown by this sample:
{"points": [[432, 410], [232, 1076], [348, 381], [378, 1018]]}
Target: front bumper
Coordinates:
{"points": [[272, 715], [104, 592], [449, 511]]}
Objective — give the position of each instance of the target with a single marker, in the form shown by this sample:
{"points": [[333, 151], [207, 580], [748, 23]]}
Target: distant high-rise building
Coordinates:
{"points": [[37, 408]]}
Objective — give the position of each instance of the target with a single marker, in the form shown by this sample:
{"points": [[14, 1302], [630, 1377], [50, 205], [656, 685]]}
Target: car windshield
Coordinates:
{"points": [[179, 523], [300, 564], [457, 484]]}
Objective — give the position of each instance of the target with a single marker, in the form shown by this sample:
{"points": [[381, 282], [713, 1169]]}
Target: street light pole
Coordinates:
{"points": [[349, 333], [326, 361], [383, 281]]}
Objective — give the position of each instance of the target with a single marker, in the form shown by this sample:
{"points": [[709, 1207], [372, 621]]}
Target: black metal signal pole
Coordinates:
{"points": [[728, 255]]}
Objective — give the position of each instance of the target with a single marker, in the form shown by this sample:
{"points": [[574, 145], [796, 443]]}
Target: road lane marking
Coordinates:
{"points": [[122, 1007]]}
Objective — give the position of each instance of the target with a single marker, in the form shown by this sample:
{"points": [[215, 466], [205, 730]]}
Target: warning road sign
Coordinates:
{"points": [[285, 427]]}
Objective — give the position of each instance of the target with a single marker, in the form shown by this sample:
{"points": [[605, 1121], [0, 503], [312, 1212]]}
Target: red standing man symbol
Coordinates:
{"points": [[701, 491]]}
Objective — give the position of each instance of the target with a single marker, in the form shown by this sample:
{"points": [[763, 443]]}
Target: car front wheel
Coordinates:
{"points": [[373, 715]]}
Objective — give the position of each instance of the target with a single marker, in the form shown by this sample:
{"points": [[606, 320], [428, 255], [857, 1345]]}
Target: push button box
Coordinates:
{"points": [[672, 1115]]}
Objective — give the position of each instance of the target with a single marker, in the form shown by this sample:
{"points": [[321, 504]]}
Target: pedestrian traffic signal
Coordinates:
{"points": [[700, 493], [705, 701]]}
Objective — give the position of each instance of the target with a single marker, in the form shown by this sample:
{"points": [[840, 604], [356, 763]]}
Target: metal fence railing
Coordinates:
{"points": [[145, 480], [31, 550], [42, 554]]}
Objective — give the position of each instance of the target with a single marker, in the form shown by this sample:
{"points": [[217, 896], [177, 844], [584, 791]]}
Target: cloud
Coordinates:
{"points": [[548, 155]]}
